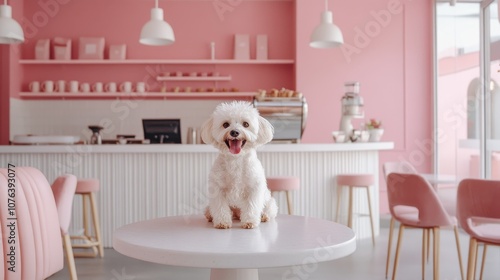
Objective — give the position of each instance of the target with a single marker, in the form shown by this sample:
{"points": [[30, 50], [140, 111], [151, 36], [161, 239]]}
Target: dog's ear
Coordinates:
{"points": [[206, 131], [266, 131]]}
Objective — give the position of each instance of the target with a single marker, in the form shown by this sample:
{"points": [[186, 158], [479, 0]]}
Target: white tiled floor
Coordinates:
{"points": [[367, 262]]}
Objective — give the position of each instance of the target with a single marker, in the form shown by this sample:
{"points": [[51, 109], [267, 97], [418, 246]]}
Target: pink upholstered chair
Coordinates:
{"points": [[37, 236], [64, 188], [411, 190], [396, 167], [478, 212]]}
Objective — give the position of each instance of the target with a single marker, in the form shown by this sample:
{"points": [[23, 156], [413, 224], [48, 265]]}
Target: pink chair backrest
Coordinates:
{"points": [[413, 190], [64, 188], [37, 235], [398, 167], [477, 198]]}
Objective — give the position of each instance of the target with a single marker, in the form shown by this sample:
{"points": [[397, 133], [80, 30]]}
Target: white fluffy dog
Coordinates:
{"points": [[237, 183]]}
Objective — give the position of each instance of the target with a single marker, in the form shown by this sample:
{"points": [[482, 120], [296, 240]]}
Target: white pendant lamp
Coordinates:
{"points": [[10, 30], [326, 34], [157, 32]]}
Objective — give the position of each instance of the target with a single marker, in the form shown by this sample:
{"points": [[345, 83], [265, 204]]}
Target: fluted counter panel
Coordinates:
{"points": [[140, 182]]}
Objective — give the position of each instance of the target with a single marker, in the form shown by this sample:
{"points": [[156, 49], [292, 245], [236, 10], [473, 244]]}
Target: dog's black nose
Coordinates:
{"points": [[234, 133]]}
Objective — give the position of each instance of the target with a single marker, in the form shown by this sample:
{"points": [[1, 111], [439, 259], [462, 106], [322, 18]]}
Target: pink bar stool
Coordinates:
{"points": [[352, 181], [284, 184], [86, 188]]}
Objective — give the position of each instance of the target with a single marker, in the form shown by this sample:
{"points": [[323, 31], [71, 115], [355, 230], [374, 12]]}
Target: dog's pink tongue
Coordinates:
{"points": [[235, 146]]}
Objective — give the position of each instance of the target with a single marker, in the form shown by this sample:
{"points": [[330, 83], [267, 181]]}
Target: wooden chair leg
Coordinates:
{"points": [[389, 244], [436, 252], [349, 218], [339, 194], [86, 230], [425, 241], [471, 265], [69, 256], [428, 244], [371, 214], [483, 261], [459, 252], [475, 260], [398, 246], [97, 227], [289, 203]]}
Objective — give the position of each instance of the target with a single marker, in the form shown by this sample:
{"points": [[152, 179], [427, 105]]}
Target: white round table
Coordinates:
{"points": [[234, 253]]}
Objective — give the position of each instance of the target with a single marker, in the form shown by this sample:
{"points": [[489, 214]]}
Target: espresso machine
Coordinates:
{"points": [[352, 108], [96, 138]]}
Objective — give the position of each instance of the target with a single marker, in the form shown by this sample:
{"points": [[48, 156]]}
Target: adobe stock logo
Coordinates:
{"points": [[221, 7], [48, 9], [363, 36]]}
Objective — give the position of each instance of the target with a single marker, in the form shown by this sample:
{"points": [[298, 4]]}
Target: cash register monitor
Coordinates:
{"points": [[162, 131]]}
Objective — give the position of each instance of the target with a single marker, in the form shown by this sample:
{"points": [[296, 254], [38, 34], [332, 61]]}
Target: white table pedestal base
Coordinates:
{"points": [[234, 274]]}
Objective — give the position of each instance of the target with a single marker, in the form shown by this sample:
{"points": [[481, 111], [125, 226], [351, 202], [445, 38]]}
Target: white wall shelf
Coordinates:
{"points": [[147, 95], [154, 61], [194, 79]]}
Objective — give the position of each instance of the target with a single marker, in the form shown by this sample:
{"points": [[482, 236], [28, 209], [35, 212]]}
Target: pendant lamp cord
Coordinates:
{"points": [[5, 2], [326, 5], [156, 1]]}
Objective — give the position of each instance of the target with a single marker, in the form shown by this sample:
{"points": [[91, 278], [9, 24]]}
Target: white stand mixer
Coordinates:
{"points": [[352, 105]]}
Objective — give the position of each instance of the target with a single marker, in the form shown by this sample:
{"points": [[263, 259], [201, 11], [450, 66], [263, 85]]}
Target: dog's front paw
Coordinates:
{"points": [[264, 218], [250, 221], [222, 226], [248, 225]]}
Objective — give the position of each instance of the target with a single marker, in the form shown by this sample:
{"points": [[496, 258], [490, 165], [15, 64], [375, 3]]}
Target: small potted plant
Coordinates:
{"points": [[375, 129]]}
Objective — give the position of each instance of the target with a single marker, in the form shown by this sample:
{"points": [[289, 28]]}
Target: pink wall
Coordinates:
{"points": [[388, 49]]}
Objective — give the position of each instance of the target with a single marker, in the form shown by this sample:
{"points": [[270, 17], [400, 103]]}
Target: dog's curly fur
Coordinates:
{"points": [[237, 183]]}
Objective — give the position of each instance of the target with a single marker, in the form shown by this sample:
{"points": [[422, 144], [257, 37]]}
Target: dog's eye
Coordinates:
{"points": [[225, 125], [245, 124]]}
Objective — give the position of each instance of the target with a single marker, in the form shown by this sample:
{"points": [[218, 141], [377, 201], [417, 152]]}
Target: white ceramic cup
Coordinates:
{"points": [[141, 87], [85, 87], [73, 86], [60, 86], [338, 136], [98, 87], [34, 86], [126, 87], [110, 87], [48, 86]]}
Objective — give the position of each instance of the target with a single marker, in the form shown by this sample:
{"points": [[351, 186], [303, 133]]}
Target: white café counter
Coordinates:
{"points": [[141, 182]]}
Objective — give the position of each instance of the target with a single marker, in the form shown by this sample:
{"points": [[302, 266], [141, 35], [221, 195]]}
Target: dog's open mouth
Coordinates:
{"points": [[235, 145]]}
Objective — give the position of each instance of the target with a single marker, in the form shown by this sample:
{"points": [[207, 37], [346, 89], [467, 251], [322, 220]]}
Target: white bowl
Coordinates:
{"points": [[338, 136]]}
